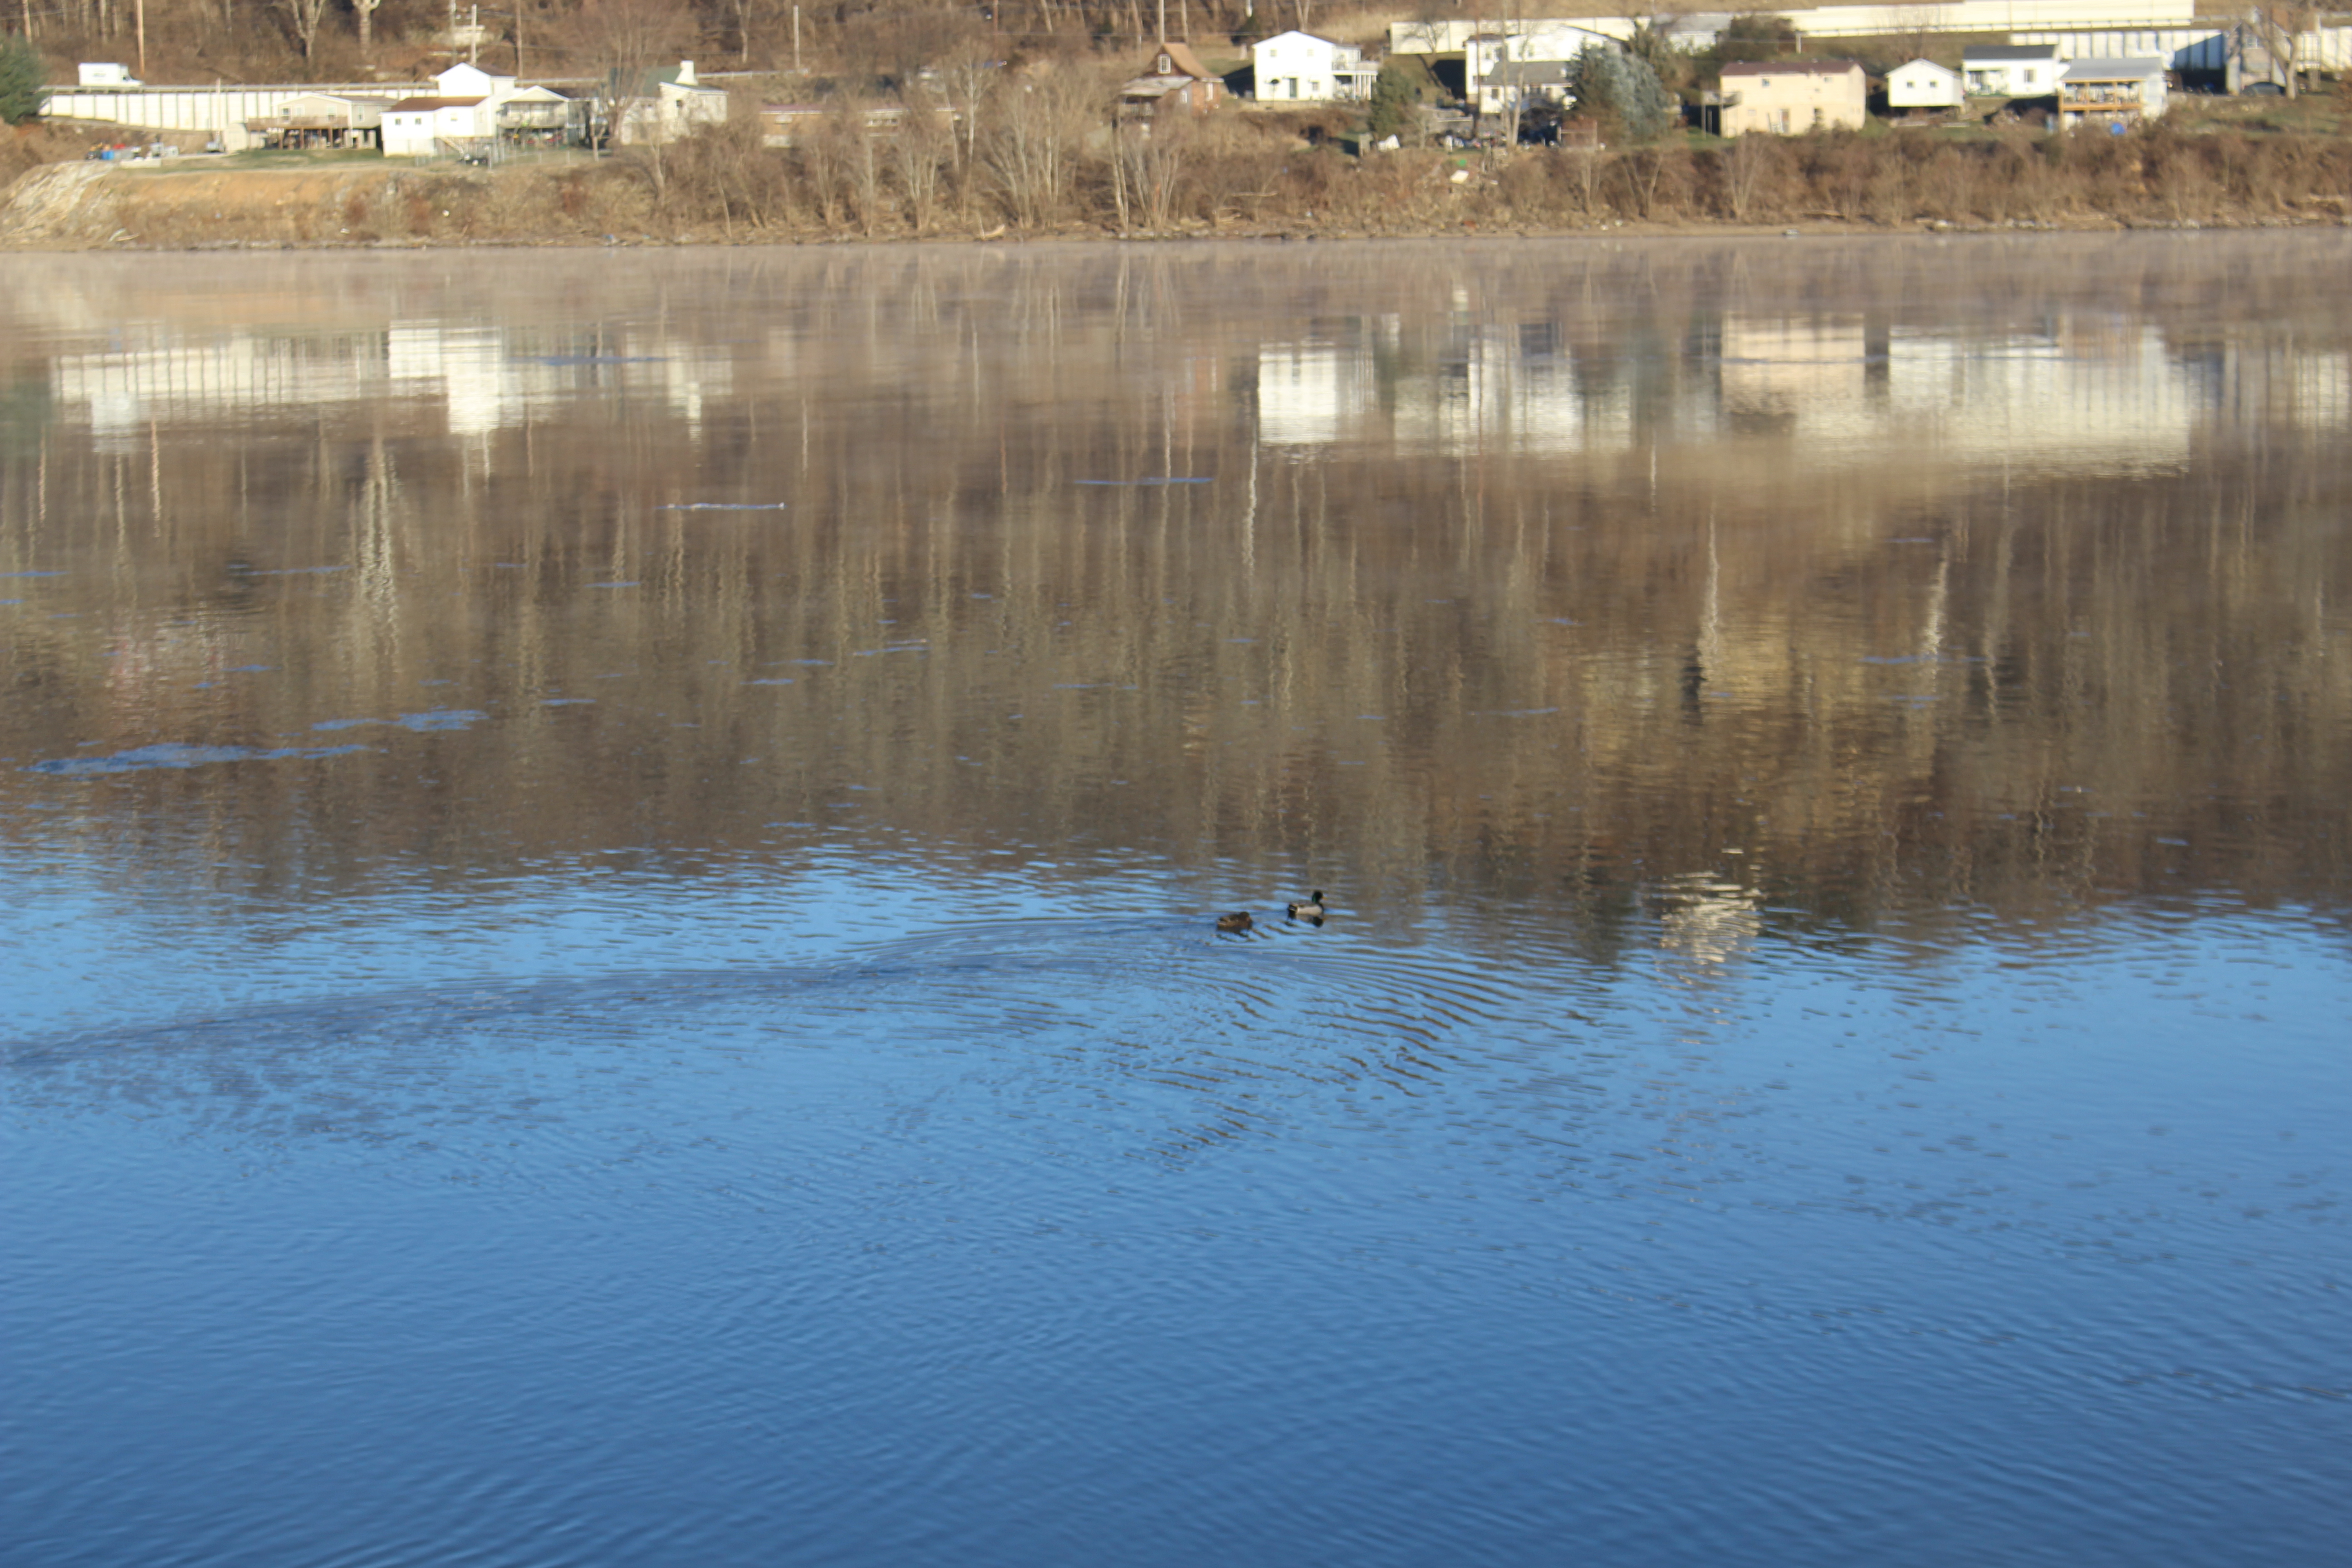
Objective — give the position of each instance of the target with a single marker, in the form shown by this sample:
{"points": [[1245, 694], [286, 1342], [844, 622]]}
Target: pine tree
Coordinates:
{"points": [[1394, 97], [1612, 85], [23, 80]]}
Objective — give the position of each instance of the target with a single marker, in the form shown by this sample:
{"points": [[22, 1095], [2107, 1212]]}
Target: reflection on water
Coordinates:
{"points": [[614, 859]]}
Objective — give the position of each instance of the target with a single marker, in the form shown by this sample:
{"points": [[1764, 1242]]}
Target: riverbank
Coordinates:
{"points": [[721, 189]]}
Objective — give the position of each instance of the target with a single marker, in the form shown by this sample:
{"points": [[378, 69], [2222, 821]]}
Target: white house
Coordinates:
{"points": [[431, 126], [1923, 84], [462, 80], [1296, 66], [672, 104], [461, 114], [1501, 67], [2011, 70], [2117, 94]]}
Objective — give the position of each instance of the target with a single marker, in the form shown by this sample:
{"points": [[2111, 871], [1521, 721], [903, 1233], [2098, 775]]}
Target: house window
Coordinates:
{"points": [[2029, 76]]}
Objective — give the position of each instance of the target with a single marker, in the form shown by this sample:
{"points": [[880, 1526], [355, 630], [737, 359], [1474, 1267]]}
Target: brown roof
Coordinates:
{"points": [[423, 103], [1790, 68], [1186, 62]]}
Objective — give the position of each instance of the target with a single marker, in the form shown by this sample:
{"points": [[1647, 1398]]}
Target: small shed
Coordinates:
{"points": [[1923, 84]]}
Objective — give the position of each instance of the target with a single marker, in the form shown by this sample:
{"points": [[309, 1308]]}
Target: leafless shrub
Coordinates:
{"points": [[1838, 167], [1751, 168], [1585, 162], [1032, 146], [1530, 185], [861, 154], [2018, 181], [725, 174], [2177, 172], [1947, 181], [1655, 177], [1149, 167], [823, 159], [922, 147]]}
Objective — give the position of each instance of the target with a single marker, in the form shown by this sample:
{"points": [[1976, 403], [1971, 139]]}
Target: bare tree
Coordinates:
{"points": [[1747, 165], [2280, 28], [744, 12], [967, 73], [622, 43], [306, 16], [922, 145], [852, 133], [1150, 159], [1913, 26], [1032, 147], [1581, 145]]}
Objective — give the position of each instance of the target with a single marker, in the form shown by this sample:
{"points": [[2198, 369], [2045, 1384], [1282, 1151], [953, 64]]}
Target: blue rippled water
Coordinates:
{"points": [[1044, 1237]]}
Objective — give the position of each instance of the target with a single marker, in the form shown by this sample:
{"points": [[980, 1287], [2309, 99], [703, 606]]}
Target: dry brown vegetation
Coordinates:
{"points": [[1044, 160]]}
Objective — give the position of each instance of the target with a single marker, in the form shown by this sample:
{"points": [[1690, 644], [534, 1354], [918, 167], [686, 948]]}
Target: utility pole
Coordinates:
{"points": [[796, 40], [1164, 24], [143, 39]]}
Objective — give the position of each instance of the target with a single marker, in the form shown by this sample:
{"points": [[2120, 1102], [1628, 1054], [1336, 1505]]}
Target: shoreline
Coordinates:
{"points": [[81, 207]]}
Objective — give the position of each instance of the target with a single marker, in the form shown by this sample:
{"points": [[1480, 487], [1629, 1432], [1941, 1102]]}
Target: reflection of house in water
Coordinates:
{"points": [[1707, 922], [1773, 367], [478, 375], [1313, 394], [2086, 390], [1491, 389]]}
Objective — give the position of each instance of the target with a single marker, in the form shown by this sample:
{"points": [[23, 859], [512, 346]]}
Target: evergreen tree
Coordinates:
{"points": [[1614, 87], [23, 80], [1394, 97]]}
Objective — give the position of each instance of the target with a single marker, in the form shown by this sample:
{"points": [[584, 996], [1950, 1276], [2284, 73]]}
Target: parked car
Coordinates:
{"points": [[2262, 89]]}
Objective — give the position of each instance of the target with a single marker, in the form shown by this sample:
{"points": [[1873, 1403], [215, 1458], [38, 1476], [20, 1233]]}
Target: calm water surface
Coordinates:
{"points": [[612, 861]]}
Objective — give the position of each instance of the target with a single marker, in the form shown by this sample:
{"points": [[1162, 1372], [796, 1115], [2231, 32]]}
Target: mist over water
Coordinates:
{"points": [[614, 858]]}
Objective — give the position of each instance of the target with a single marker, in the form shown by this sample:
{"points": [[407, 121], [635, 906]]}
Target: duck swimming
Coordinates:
{"points": [[1238, 920], [1312, 910]]}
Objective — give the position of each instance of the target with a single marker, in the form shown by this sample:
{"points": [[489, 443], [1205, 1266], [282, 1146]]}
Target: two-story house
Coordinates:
{"points": [[1299, 67], [1788, 97]]}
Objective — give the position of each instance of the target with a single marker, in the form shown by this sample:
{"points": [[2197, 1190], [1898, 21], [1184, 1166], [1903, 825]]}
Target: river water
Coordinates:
{"points": [[613, 865]]}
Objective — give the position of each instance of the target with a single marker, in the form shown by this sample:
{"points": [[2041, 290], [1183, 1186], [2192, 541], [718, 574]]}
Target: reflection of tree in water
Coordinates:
{"points": [[1550, 672]]}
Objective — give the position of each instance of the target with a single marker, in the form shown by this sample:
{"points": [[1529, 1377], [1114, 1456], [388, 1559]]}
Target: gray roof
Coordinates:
{"points": [[2114, 70], [1994, 54]]}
